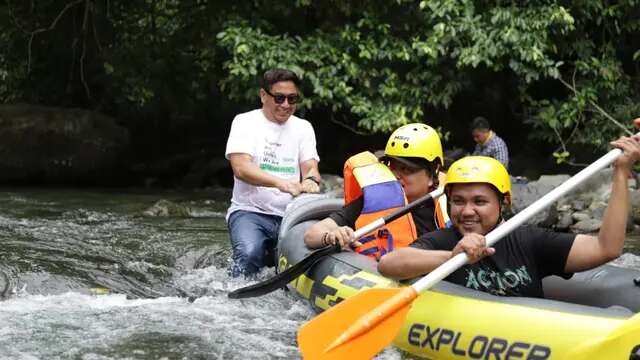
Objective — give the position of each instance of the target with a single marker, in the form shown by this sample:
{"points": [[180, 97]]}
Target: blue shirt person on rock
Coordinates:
{"points": [[487, 142]]}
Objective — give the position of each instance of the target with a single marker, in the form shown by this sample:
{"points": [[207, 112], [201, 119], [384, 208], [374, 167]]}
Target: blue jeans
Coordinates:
{"points": [[254, 237]]}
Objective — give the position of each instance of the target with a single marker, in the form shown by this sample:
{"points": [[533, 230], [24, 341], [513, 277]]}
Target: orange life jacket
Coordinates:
{"points": [[382, 194], [440, 215]]}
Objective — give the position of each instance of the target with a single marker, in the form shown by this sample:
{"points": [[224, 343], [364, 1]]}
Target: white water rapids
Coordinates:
{"points": [[86, 276]]}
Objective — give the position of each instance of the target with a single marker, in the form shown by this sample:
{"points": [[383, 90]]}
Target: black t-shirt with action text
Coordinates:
{"points": [[423, 216], [522, 259]]}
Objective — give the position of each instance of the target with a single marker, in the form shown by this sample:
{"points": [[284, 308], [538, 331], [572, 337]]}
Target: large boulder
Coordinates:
{"points": [[57, 146], [525, 193]]}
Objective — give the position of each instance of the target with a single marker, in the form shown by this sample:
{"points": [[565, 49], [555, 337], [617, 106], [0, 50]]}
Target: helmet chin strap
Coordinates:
{"points": [[434, 178], [500, 219]]}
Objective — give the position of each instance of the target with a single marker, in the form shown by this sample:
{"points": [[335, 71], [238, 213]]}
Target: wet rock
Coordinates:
{"points": [[595, 182], [578, 205], [635, 231], [551, 181], [634, 198], [580, 216], [45, 145], [525, 194], [166, 208], [564, 208], [635, 215], [565, 221], [602, 195], [332, 185], [598, 211], [587, 226], [597, 204]]}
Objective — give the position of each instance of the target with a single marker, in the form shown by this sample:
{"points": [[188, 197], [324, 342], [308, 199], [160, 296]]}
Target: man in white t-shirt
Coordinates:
{"points": [[274, 158]]}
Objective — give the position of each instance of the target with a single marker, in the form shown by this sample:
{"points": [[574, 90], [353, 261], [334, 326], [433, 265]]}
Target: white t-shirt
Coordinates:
{"points": [[277, 149]]}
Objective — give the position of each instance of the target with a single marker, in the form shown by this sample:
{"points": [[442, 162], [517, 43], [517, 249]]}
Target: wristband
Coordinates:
{"points": [[312, 179], [325, 242]]}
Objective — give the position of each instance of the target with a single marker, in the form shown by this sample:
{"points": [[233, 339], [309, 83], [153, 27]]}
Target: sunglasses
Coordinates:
{"points": [[292, 99]]}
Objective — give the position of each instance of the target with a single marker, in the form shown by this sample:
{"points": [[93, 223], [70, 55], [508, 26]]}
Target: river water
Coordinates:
{"points": [[85, 275]]}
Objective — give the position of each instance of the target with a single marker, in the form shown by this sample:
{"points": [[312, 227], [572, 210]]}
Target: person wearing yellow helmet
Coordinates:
{"points": [[411, 148], [478, 189], [410, 168], [485, 172]]}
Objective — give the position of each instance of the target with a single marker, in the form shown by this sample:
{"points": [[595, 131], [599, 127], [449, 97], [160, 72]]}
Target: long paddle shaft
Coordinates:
{"points": [[290, 274], [370, 331]]}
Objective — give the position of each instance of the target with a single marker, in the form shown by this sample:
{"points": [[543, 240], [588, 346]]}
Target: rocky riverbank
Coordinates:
{"points": [[581, 211]]}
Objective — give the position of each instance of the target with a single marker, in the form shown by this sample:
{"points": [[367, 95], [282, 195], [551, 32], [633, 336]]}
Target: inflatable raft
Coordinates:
{"points": [[594, 315]]}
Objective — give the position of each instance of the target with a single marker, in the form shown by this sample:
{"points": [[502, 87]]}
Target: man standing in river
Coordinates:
{"points": [[274, 158]]}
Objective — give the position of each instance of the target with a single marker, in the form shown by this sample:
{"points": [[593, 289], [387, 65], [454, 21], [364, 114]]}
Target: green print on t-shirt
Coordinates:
{"points": [[278, 169], [497, 282]]}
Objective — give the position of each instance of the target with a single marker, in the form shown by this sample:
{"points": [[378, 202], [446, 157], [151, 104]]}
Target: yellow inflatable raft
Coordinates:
{"points": [[594, 315]]}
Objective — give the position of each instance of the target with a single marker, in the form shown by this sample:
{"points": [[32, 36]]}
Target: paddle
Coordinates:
{"points": [[361, 326], [290, 274]]}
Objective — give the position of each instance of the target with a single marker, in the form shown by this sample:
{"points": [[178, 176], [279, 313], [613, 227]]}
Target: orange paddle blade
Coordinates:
{"points": [[357, 328]]}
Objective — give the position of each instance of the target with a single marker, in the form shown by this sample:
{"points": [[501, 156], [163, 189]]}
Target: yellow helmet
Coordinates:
{"points": [[480, 169], [415, 141]]}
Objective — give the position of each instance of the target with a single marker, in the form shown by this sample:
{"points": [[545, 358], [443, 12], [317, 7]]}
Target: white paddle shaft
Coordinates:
{"points": [[383, 220], [498, 233]]}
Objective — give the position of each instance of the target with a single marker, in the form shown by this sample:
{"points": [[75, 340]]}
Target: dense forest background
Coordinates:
{"points": [[557, 79]]}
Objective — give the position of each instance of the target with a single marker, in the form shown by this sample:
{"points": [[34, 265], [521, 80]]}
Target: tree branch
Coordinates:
{"points": [[74, 48], [33, 33], [353, 130], [601, 110], [84, 47], [95, 33], [564, 147]]}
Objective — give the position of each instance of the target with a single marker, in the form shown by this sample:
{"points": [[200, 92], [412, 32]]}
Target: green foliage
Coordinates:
{"points": [[387, 70], [345, 71], [561, 156], [568, 67], [597, 85]]}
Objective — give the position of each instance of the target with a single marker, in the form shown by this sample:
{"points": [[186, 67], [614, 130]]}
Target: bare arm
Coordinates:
{"points": [[315, 236], [308, 169], [410, 262], [246, 170], [589, 251], [406, 263]]}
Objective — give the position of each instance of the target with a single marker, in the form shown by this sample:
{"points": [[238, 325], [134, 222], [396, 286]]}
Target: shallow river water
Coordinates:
{"points": [[84, 275]]}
